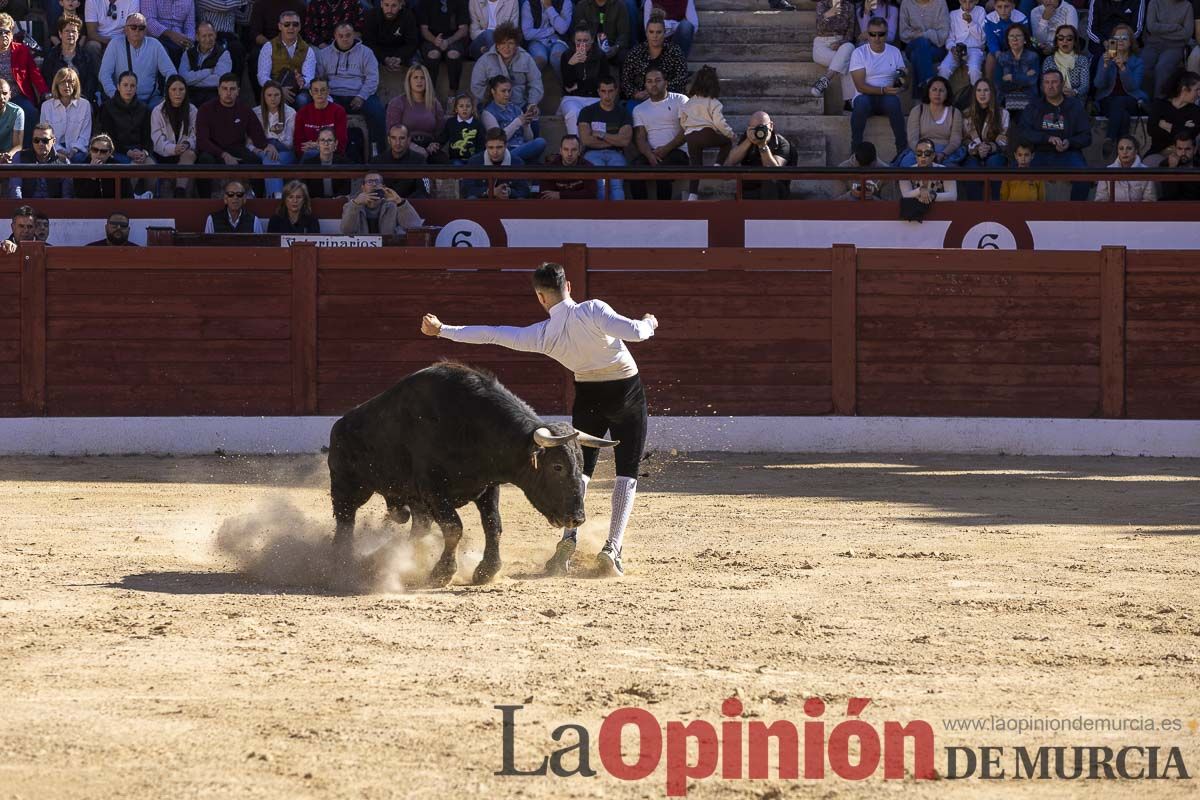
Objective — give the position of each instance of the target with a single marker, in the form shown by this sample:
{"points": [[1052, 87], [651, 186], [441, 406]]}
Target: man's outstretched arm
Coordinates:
{"points": [[526, 339]]}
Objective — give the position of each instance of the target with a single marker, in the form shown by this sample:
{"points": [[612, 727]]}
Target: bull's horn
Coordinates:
{"points": [[544, 438], [587, 440]]}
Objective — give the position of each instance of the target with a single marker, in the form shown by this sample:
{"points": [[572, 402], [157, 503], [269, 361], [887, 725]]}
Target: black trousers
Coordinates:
{"points": [[616, 407], [639, 189]]}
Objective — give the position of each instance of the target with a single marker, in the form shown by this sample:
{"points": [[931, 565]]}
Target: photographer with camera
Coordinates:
{"points": [[879, 76], [863, 157], [761, 146]]}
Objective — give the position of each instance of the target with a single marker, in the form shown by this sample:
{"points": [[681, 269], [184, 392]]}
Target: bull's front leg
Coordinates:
{"points": [[489, 512], [450, 523]]}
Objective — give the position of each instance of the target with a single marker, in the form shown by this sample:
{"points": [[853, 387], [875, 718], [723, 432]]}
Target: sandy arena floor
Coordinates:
{"points": [[136, 661]]}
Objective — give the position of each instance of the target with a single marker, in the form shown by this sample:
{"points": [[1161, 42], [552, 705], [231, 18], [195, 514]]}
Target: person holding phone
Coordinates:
{"points": [[582, 69], [377, 209], [1119, 85]]}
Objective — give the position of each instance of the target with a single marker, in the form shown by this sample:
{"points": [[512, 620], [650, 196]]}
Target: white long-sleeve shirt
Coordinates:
{"points": [[587, 338], [968, 33]]}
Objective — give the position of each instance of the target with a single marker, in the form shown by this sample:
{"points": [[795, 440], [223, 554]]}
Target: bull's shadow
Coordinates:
{"points": [[183, 582]]}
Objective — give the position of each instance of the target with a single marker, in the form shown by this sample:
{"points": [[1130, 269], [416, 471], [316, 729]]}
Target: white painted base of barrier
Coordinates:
{"points": [[966, 435]]}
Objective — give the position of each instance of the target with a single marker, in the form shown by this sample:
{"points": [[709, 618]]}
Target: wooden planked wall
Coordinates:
{"points": [[10, 337], [1162, 310]]}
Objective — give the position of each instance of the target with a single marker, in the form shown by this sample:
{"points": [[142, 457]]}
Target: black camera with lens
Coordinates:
{"points": [[760, 133], [900, 79], [960, 52]]}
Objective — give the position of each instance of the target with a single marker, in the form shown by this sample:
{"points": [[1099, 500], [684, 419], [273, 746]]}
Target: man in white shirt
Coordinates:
{"points": [[657, 133], [589, 339], [876, 68]]}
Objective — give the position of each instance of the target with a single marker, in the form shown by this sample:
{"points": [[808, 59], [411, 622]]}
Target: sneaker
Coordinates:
{"points": [[143, 196], [818, 88], [609, 562], [782, 5], [560, 562], [692, 197]]}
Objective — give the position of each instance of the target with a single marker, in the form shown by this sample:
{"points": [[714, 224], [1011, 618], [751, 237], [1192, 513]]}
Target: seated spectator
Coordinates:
{"points": [[172, 23], [353, 75], [26, 85], [679, 18], [657, 133], [927, 191], [463, 134], [444, 39], [279, 123], [417, 109], [873, 69], [228, 132], [1182, 157], [12, 125], [1126, 191], [322, 17], [486, 17], [378, 210], [223, 15], [105, 21], [1119, 85], [316, 116], [41, 227], [704, 124], [568, 188], [204, 63], [100, 153], [288, 60], [966, 43], [295, 214], [116, 232], [1179, 114], [1018, 70], [762, 146], [495, 154], [611, 27], [145, 58], [508, 59], [233, 217], [996, 26], [264, 21], [1057, 129], [40, 153], [70, 53], [502, 113], [866, 157], [887, 10], [127, 120], [939, 122], [400, 153], [69, 114], [1105, 15], [1071, 61], [605, 130], [1047, 17], [544, 23], [23, 229], [581, 71], [173, 130], [327, 155], [834, 43], [392, 33], [924, 29], [985, 131], [654, 54]]}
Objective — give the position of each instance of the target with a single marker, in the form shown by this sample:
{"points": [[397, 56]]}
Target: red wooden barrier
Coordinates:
{"points": [[103, 331]]}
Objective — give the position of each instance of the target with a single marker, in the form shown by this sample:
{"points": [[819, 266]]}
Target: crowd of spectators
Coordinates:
{"points": [[268, 82]]}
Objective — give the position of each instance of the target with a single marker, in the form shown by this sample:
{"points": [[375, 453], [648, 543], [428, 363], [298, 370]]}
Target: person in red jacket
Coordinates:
{"points": [[321, 113], [23, 76]]}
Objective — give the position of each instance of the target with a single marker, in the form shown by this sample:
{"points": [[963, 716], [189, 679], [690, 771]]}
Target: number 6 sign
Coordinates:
{"points": [[463, 233]]}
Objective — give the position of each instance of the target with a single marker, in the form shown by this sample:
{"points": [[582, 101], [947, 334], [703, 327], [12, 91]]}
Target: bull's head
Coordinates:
{"points": [[554, 483]]}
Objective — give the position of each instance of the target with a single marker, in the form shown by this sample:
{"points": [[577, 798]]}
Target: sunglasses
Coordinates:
{"points": [[235, 194], [119, 224], [136, 27], [923, 153], [101, 150], [291, 24], [1121, 38], [43, 139], [1066, 38], [879, 35], [112, 10]]}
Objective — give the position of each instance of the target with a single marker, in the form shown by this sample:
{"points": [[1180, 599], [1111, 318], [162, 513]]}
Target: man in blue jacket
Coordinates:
{"points": [[1058, 129]]}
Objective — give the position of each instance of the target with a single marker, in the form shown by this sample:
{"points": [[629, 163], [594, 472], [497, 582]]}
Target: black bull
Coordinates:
{"points": [[446, 436]]}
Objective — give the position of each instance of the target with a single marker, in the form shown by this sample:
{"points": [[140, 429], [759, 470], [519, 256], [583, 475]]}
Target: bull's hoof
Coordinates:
{"points": [[486, 571], [398, 514], [442, 575]]}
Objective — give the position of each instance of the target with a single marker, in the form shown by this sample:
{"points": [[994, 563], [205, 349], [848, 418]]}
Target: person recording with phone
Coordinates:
{"points": [[761, 146], [377, 209]]}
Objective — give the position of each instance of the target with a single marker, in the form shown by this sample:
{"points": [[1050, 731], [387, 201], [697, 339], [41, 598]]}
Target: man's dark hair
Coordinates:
{"points": [[865, 154], [495, 135], [23, 211], [661, 74], [41, 215], [506, 32], [230, 77], [550, 276], [605, 80], [117, 214], [1184, 135], [568, 137]]}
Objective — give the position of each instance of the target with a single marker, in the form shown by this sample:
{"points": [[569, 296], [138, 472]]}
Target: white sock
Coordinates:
{"points": [[624, 491], [571, 533]]}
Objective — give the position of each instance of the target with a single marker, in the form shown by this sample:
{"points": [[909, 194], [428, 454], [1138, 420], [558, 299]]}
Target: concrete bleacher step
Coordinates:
{"points": [[742, 5], [717, 52], [743, 105], [755, 27]]}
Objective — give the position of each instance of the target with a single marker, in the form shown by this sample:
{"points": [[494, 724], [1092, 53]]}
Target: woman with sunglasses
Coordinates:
{"points": [[100, 153], [927, 190], [173, 130], [1069, 59], [1119, 85], [24, 78], [70, 115], [1046, 18], [69, 52]]}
